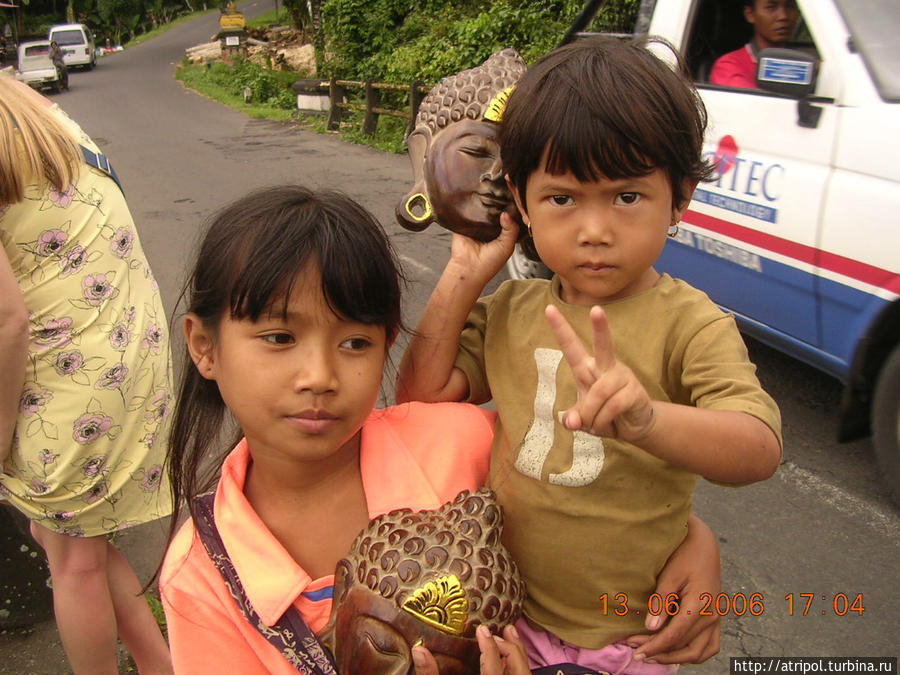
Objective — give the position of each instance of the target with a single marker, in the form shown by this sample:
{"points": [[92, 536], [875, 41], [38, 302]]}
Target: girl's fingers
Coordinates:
{"points": [[681, 640], [491, 663], [698, 648], [424, 662], [513, 652], [572, 348], [572, 419], [601, 406], [501, 656], [509, 228], [604, 350]]}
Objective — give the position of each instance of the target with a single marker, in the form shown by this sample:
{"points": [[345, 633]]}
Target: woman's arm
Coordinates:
{"points": [[692, 570], [13, 351]]}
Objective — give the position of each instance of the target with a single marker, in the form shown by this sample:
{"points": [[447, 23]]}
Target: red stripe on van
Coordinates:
{"points": [[869, 274]]}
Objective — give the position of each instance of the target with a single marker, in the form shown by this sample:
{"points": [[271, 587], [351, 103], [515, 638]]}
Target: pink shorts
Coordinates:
{"points": [[545, 648]]}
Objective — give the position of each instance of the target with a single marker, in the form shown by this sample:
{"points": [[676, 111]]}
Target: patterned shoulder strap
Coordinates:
{"points": [[99, 161], [290, 635]]}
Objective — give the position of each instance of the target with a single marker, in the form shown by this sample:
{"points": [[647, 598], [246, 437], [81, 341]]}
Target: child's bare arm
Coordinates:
{"points": [[426, 371], [687, 636], [727, 446]]}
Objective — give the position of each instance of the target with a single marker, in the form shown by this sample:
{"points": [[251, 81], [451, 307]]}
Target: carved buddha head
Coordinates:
{"points": [[429, 578], [455, 153]]}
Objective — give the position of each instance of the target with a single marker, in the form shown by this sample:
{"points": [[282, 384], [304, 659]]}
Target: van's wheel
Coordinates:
{"points": [[886, 422], [520, 266]]}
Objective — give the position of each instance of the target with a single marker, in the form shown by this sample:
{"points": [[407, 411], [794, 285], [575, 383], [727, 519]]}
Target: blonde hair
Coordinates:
{"points": [[35, 146]]}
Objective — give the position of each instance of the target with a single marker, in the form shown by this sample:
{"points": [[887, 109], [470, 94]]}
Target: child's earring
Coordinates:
{"points": [[527, 225], [673, 228]]}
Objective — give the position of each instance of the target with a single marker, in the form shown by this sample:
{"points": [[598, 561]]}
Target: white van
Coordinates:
{"points": [[799, 237], [77, 44]]}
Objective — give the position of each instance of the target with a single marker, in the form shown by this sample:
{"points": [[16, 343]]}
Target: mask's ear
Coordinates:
{"points": [[414, 211], [200, 344]]}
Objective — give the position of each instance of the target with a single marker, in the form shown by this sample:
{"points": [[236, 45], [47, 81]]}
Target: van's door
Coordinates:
{"points": [[752, 235]]}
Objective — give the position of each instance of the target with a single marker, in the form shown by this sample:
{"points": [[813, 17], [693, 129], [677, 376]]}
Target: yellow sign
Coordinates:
{"points": [[232, 19]]}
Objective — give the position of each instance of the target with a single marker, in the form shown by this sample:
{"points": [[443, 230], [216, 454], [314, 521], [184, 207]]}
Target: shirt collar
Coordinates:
{"points": [[754, 50], [272, 579]]}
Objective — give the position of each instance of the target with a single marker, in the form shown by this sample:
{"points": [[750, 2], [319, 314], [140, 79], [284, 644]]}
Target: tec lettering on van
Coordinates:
{"points": [[743, 179]]}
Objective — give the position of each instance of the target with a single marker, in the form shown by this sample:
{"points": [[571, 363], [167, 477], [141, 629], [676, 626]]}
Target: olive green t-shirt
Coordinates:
{"points": [[591, 521]]}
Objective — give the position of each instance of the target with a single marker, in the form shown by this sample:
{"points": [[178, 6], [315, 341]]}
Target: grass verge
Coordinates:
{"points": [[222, 82], [272, 99]]}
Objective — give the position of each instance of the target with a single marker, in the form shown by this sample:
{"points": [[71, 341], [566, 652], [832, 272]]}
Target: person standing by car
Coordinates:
{"points": [[56, 55], [85, 403], [773, 23]]}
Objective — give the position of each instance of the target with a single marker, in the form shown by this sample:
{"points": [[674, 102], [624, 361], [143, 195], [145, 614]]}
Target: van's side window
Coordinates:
{"points": [[726, 37]]}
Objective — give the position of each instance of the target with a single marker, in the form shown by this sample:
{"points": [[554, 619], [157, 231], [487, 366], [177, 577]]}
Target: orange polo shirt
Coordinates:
{"points": [[416, 455]]}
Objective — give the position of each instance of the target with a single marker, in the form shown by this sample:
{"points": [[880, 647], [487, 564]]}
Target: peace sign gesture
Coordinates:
{"points": [[611, 400]]}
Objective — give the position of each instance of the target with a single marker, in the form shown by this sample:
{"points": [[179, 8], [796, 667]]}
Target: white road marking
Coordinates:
{"points": [[415, 264], [876, 516]]}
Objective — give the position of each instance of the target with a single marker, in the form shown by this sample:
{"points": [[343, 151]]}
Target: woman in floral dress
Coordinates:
{"points": [[83, 432]]}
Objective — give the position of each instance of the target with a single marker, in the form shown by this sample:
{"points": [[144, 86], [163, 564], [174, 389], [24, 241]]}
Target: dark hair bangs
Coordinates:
{"points": [[592, 146], [358, 284], [263, 266], [604, 107], [256, 248]]}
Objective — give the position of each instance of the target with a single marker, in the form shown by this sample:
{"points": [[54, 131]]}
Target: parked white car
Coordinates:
{"points": [[77, 43], [36, 67]]}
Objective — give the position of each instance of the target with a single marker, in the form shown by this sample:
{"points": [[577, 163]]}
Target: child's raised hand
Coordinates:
{"points": [[485, 259], [611, 400]]}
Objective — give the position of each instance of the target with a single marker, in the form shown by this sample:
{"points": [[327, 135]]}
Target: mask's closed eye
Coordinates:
{"points": [[378, 649]]}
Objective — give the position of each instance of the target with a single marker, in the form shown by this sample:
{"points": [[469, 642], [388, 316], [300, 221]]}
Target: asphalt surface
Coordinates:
{"points": [[822, 526]]}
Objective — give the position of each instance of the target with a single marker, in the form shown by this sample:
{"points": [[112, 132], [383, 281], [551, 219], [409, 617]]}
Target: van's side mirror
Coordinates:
{"points": [[790, 72], [786, 71]]}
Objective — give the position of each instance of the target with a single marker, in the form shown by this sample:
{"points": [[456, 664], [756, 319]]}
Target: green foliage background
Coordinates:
{"points": [[405, 40], [387, 40], [398, 41]]}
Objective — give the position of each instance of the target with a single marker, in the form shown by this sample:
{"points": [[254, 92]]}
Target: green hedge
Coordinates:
{"points": [[402, 40]]}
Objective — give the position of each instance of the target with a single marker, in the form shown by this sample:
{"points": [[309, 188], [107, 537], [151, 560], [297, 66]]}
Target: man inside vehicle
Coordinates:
{"points": [[773, 23]]}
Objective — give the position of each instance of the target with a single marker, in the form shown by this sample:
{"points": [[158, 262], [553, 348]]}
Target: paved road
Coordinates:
{"points": [[823, 525]]}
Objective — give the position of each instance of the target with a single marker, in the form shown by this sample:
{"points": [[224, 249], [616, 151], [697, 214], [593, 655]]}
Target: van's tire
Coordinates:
{"points": [[520, 266], [886, 422]]}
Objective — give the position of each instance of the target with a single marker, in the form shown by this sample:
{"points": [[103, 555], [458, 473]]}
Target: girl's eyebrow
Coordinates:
{"points": [[553, 182]]}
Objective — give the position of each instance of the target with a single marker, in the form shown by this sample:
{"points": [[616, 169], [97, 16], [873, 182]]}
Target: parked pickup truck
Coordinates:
{"points": [[37, 69], [799, 237]]}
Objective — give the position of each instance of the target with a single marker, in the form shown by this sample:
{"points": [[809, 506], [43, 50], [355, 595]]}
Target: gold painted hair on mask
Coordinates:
{"points": [[424, 578]]}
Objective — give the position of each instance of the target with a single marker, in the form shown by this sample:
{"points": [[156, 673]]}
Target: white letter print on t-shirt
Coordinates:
{"points": [[587, 450]]}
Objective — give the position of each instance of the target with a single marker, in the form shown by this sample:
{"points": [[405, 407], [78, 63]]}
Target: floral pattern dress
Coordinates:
{"points": [[89, 445]]}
